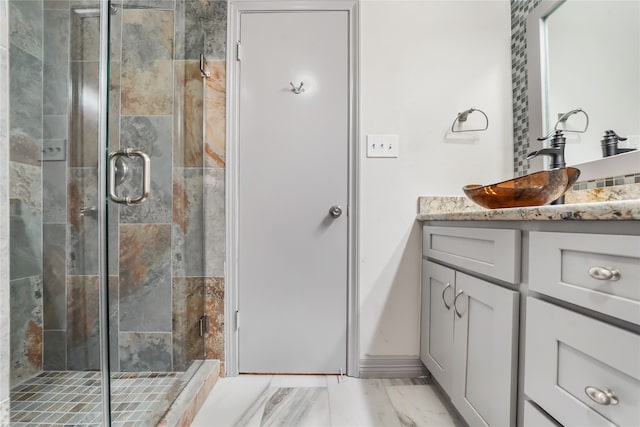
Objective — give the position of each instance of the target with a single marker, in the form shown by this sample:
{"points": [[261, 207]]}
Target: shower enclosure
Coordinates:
{"points": [[109, 265]]}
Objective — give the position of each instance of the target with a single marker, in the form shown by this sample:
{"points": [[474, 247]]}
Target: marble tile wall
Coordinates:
{"points": [[25, 44], [4, 214]]}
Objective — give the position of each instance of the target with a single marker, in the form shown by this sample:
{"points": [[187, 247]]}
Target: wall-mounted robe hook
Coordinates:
{"points": [[297, 90]]}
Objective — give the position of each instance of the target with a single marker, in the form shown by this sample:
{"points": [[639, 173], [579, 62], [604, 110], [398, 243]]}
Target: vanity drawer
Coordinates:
{"points": [[566, 353], [491, 252], [534, 417], [561, 263]]}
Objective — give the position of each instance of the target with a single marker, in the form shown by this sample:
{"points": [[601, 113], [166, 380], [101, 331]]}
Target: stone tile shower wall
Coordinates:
{"points": [[5, 332], [70, 120], [163, 275], [25, 187], [170, 264]]}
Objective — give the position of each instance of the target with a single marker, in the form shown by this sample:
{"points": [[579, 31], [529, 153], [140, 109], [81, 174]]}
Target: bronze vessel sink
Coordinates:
{"points": [[535, 189]]}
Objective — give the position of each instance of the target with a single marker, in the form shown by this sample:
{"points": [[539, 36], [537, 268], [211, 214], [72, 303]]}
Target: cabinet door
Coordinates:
{"points": [[436, 322], [485, 352]]}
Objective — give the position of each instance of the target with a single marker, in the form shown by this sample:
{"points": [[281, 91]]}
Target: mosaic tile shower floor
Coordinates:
{"points": [[64, 398]]}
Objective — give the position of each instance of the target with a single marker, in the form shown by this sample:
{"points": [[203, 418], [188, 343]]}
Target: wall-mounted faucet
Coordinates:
{"points": [[557, 142]]}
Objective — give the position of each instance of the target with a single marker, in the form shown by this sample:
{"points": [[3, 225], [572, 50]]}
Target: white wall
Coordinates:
{"points": [[422, 62]]}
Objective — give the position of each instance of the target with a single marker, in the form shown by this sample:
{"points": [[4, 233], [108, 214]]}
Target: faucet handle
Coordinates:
{"points": [[611, 134], [554, 134]]}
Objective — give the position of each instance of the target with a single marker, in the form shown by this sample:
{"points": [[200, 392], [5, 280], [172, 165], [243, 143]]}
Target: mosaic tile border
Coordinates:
{"points": [[607, 182], [520, 9]]}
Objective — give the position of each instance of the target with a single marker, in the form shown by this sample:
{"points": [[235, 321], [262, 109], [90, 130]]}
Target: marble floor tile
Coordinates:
{"points": [[360, 402], [407, 381], [299, 406], [300, 380], [420, 405], [233, 401], [319, 401]]}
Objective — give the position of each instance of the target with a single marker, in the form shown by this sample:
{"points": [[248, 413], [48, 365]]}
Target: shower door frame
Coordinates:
{"points": [[236, 8], [103, 271]]}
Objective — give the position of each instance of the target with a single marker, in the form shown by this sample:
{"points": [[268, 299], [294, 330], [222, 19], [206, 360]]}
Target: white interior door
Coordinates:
{"points": [[293, 166]]}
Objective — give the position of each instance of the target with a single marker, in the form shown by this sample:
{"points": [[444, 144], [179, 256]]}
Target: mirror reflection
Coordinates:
{"points": [[593, 64]]}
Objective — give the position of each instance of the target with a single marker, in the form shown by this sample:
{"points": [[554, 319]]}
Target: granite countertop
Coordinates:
{"points": [[463, 209], [620, 202]]}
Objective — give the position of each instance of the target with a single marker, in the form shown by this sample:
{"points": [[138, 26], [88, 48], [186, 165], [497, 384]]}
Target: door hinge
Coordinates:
{"points": [[237, 319], [238, 51], [203, 324]]}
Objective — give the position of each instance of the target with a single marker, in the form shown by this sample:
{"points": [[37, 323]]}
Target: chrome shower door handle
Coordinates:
{"points": [[146, 176]]}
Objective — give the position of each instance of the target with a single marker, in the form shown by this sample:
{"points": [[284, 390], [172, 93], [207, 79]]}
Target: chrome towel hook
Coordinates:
{"points": [[297, 90]]}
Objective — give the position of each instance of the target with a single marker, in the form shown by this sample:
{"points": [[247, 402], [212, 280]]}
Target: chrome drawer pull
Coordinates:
{"points": [[601, 397], [455, 307], [444, 300], [604, 273]]}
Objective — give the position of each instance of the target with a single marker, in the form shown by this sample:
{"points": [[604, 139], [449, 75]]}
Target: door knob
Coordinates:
{"points": [[335, 211]]}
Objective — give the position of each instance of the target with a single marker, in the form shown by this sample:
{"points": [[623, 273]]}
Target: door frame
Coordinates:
{"points": [[235, 10]]}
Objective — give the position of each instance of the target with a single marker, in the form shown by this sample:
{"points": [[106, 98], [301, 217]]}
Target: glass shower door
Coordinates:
{"points": [[57, 321], [106, 297], [156, 256]]}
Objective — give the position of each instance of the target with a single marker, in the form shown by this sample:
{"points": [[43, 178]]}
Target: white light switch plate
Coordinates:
{"points": [[382, 145]]}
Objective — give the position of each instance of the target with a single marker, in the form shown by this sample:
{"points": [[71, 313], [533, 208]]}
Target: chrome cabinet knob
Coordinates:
{"points": [[604, 273], [335, 211], [601, 397]]}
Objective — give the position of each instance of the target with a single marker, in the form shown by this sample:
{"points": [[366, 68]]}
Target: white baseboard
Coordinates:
{"points": [[392, 367]]}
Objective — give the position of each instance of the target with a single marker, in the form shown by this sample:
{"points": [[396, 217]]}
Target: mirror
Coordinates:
{"points": [[586, 54]]}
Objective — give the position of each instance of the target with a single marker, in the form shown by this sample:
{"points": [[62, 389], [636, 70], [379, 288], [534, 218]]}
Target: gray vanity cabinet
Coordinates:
{"points": [[469, 343], [561, 343], [597, 271], [485, 341], [436, 332], [582, 371]]}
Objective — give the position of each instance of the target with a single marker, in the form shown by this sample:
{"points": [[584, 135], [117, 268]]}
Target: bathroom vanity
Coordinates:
{"points": [[532, 318]]}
